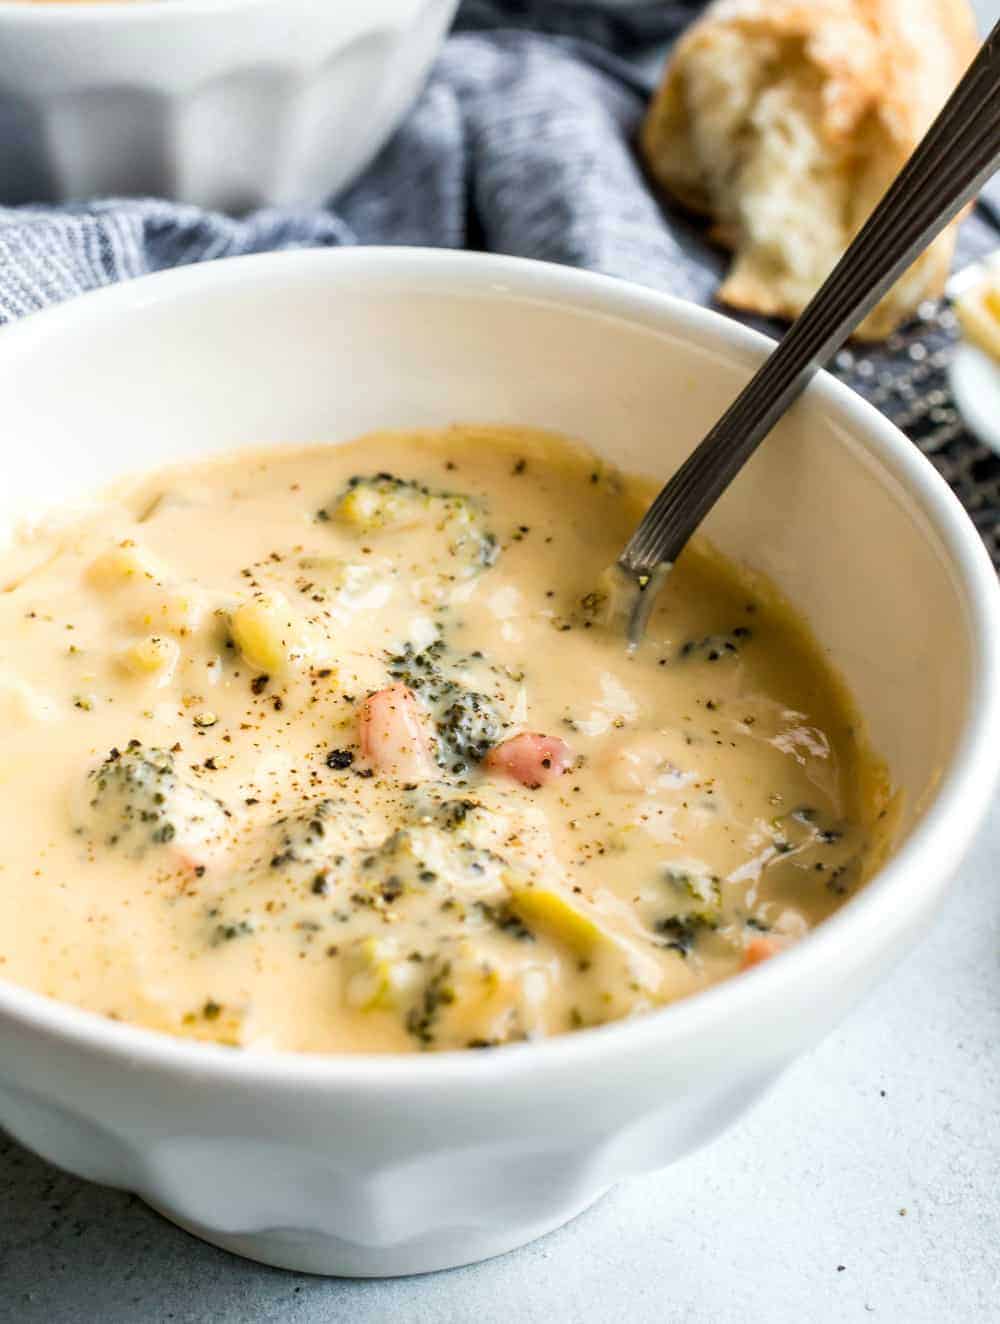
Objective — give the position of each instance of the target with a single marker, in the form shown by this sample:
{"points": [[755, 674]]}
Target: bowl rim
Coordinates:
{"points": [[919, 870]]}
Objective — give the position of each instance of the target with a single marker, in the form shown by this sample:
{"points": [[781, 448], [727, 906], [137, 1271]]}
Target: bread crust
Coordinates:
{"points": [[882, 70]]}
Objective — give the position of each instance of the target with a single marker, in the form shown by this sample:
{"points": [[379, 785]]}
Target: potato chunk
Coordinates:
{"points": [[135, 801], [378, 977], [266, 633], [154, 658], [173, 608], [121, 565]]}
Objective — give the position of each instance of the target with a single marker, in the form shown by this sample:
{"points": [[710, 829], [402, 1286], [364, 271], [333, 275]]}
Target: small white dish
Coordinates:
{"points": [[400, 1164], [227, 104], [973, 374]]}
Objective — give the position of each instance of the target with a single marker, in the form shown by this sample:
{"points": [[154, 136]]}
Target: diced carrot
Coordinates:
{"points": [[758, 950], [392, 729], [533, 760]]}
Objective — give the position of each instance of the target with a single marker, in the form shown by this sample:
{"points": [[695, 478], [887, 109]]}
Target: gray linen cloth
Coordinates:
{"points": [[522, 142]]}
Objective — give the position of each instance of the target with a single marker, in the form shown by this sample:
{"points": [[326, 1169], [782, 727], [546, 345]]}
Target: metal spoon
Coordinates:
{"points": [[951, 163]]}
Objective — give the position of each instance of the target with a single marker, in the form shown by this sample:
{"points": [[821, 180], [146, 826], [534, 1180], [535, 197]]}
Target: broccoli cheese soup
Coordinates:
{"points": [[333, 749]]}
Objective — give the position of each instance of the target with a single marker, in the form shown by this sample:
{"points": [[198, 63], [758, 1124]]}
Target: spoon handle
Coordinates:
{"points": [[951, 163]]}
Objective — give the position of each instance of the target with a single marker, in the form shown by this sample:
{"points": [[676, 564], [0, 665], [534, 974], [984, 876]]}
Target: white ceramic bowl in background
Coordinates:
{"points": [[229, 104], [388, 1165]]}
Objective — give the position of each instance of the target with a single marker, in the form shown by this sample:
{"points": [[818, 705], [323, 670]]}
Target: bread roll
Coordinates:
{"points": [[786, 120]]}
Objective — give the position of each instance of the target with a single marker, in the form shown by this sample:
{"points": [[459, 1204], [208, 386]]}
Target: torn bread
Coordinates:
{"points": [[786, 120]]}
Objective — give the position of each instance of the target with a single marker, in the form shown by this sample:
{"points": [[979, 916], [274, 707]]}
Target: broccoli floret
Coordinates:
{"points": [[451, 814], [383, 501], [136, 801], [695, 882], [438, 992], [395, 867], [317, 837], [484, 548], [683, 931], [691, 880], [436, 851], [470, 727], [421, 670], [378, 501], [506, 920]]}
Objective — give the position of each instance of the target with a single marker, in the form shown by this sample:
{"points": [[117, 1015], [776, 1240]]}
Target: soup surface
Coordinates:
{"points": [[334, 749]]}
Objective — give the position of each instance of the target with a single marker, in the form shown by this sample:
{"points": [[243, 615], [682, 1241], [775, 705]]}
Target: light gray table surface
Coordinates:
{"points": [[864, 1186]]}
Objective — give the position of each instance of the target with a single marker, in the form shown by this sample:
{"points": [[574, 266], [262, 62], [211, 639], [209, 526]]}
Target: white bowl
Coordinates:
{"points": [[229, 104], [390, 1165]]}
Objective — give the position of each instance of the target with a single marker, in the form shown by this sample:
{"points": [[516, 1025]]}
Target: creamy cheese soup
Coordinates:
{"points": [[333, 749]]}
